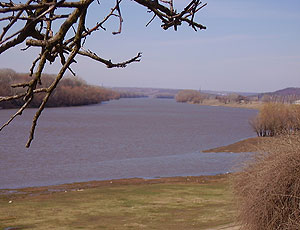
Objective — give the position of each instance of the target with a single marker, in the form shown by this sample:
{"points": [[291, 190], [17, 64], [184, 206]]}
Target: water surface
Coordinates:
{"points": [[120, 139]]}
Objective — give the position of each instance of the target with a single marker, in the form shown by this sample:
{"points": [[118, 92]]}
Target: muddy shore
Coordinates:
{"points": [[43, 190], [253, 144], [247, 145]]}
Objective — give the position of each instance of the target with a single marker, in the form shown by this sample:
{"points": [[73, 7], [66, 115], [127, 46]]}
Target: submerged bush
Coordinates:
{"points": [[276, 118], [268, 190]]}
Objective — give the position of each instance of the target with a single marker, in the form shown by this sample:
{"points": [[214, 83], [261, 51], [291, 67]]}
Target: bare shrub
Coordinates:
{"points": [[268, 190], [232, 98], [276, 118], [192, 96]]}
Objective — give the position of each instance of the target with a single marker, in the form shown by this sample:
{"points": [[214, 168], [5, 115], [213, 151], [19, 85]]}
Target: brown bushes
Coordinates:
{"points": [[233, 98], [71, 91], [127, 94], [191, 96], [268, 190], [276, 118]]}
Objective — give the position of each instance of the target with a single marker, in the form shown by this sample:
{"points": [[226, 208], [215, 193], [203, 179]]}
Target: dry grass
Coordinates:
{"points": [[268, 190]]}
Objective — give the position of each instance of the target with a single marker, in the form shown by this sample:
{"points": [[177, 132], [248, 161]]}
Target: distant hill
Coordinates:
{"points": [[286, 92], [224, 93], [287, 95], [150, 92], [158, 92]]}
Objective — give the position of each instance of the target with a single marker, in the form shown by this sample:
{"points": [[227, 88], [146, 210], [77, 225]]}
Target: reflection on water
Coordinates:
{"points": [[120, 139]]}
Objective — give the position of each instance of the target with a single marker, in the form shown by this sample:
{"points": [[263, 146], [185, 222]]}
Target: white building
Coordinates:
{"points": [[297, 102]]}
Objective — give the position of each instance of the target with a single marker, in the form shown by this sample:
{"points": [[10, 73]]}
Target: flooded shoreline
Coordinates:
{"points": [[145, 138], [80, 186]]}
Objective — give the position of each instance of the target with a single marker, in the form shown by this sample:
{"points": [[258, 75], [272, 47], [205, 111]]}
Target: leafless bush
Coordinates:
{"points": [[268, 190], [192, 96], [276, 118], [233, 98]]}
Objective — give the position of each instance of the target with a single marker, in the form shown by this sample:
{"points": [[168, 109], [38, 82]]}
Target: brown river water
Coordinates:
{"points": [[126, 138]]}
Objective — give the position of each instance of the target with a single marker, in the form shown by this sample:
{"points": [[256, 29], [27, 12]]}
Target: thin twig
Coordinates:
{"points": [[18, 113]]}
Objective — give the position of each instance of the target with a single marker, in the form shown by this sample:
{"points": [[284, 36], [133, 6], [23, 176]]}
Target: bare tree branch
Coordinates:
{"points": [[60, 75], [19, 112], [13, 21], [14, 97], [109, 63], [37, 23]]}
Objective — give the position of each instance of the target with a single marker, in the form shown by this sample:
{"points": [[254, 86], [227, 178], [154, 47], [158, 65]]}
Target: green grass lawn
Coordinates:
{"points": [[145, 206]]}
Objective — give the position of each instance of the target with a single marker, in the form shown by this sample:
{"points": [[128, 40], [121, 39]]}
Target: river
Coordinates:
{"points": [[120, 139]]}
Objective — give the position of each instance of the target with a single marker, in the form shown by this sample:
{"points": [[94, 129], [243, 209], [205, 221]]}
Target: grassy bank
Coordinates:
{"points": [[169, 203]]}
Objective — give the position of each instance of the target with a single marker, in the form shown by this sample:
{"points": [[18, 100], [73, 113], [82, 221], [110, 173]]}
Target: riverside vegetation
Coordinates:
{"points": [[268, 189], [252, 101], [198, 97], [276, 118], [71, 91]]}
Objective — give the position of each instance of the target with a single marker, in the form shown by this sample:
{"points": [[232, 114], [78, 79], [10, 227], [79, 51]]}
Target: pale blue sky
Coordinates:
{"points": [[248, 46]]}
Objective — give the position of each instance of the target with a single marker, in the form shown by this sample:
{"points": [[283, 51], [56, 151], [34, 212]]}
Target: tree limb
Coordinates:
{"points": [[37, 24]]}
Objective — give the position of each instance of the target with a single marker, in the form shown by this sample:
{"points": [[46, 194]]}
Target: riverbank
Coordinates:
{"points": [[202, 202], [198, 202], [251, 105], [253, 144]]}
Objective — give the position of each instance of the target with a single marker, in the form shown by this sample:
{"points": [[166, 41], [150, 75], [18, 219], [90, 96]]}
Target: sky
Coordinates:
{"points": [[248, 46]]}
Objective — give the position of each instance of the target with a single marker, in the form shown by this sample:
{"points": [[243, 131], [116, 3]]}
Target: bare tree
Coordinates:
{"points": [[58, 28]]}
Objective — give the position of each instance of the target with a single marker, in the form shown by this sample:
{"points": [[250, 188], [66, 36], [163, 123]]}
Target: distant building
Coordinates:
{"points": [[297, 102]]}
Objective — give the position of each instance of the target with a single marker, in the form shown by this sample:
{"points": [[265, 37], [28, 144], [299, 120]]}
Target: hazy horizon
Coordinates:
{"points": [[162, 88], [247, 47]]}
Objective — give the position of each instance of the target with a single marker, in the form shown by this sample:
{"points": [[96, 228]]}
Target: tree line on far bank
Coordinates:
{"points": [[287, 96], [71, 91], [274, 118], [198, 97], [190, 96]]}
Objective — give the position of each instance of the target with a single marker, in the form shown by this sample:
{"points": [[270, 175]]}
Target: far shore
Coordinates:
{"points": [[251, 105]]}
